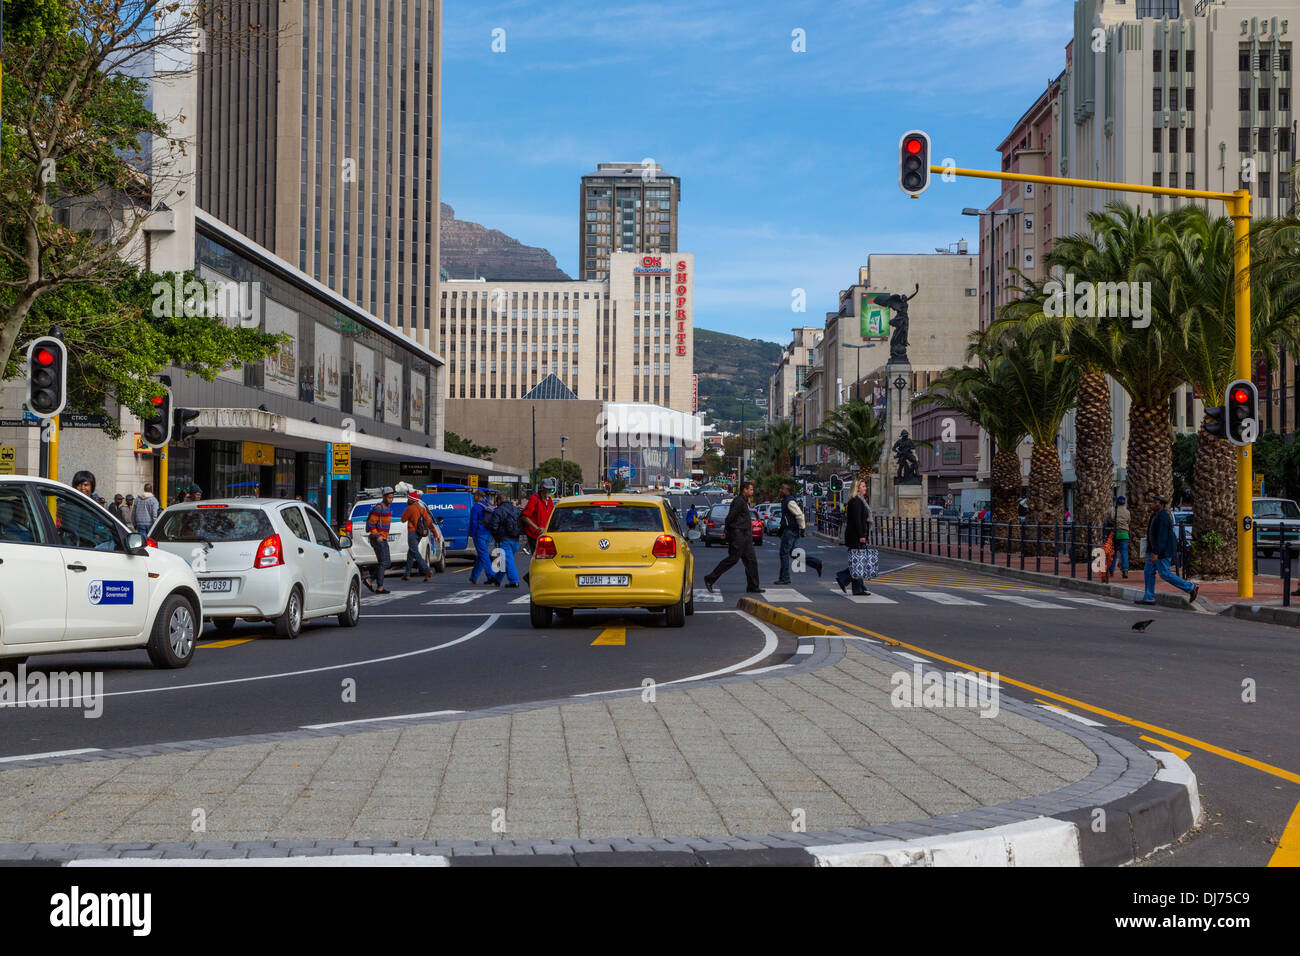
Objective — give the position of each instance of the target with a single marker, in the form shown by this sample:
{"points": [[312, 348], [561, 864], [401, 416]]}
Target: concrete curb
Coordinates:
{"points": [[786, 619], [1263, 614]]}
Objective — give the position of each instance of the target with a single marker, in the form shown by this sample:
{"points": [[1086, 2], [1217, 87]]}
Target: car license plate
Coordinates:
{"points": [[214, 584], [604, 580]]}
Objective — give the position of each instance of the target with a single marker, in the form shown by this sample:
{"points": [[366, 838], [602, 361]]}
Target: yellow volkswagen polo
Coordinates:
{"points": [[612, 551]]}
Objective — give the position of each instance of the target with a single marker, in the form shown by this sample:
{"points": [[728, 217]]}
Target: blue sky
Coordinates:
{"points": [[788, 160]]}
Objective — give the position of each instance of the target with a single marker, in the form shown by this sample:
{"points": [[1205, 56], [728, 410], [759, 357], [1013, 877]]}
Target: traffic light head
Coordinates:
{"points": [[1242, 404], [835, 483], [155, 429], [47, 377], [1216, 422], [914, 163], [181, 429]]}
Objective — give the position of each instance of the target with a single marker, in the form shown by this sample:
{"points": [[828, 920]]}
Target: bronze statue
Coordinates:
{"points": [[905, 455], [897, 324]]}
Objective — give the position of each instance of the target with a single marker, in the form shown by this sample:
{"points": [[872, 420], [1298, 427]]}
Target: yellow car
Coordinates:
{"points": [[612, 551]]}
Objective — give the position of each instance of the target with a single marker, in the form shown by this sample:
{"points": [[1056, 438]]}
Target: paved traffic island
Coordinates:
{"points": [[820, 753]]}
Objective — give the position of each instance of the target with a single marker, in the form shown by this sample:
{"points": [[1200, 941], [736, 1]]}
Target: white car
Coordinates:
{"points": [[74, 578], [263, 560], [365, 554]]}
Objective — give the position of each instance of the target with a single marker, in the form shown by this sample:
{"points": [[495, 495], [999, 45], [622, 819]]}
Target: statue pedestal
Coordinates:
{"points": [[909, 501], [898, 419]]}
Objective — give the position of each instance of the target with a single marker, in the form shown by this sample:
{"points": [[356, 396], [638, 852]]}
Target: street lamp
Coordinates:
{"points": [[857, 384], [970, 211], [563, 439]]}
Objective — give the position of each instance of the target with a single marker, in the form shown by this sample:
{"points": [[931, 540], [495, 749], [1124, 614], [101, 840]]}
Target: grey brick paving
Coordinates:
{"points": [[723, 765]]}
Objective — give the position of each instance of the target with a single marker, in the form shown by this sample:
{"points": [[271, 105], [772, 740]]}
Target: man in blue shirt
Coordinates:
{"points": [[1162, 545], [482, 544]]}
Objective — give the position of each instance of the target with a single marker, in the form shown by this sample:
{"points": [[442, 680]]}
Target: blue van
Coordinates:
{"points": [[451, 510]]}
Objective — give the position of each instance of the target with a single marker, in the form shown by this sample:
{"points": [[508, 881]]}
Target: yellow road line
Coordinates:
{"points": [[1176, 751], [1162, 731], [230, 643], [611, 636], [1288, 848]]}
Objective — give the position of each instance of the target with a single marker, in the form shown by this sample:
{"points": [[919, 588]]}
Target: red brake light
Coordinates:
{"points": [[270, 554], [150, 543], [665, 546], [212, 506], [545, 547]]}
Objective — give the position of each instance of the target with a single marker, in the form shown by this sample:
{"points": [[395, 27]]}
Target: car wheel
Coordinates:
{"points": [[171, 644], [677, 613], [352, 613], [690, 603], [540, 616], [441, 566], [289, 624]]}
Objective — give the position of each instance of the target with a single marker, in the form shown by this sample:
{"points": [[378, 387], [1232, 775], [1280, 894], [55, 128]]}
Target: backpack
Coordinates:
{"points": [[492, 521], [507, 522]]}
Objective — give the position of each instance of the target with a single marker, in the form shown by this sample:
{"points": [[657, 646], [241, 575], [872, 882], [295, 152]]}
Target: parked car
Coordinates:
{"points": [[263, 560], [756, 523], [74, 578], [713, 529], [444, 520], [1271, 517]]}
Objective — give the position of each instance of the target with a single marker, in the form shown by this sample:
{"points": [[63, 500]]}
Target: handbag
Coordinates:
{"points": [[864, 563]]}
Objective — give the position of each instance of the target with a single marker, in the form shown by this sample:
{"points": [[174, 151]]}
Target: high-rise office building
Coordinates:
{"points": [[625, 207], [318, 139]]}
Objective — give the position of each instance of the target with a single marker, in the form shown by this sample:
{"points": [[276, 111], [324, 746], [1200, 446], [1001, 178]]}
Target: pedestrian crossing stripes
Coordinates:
{"points": [[1108, 605], [784, 596], [952, 580], [942, 597], [702, 596], [1027, 602], [460, 597]]}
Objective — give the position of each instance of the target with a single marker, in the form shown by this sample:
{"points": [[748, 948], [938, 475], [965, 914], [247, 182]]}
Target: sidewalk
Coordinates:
{"points": [[821, 756]]}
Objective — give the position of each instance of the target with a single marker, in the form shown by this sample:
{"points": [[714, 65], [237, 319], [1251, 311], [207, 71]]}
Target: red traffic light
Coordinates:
{"points": [[44, 357], [914, 146], [1240, 396], [157, 399]]}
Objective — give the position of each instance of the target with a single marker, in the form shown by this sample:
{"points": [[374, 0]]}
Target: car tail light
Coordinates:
{"points": [[665, 546], [710, 523], [150, 543], [212, 506], [545, 547], [270, 554]]}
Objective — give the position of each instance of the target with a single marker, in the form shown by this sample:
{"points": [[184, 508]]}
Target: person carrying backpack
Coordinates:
{"points": [[479, 515], [505, 527], [419, 524]]}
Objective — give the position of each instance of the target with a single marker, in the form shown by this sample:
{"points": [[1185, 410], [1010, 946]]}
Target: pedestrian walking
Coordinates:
{"points": [[482, 538], [419, 524], [793, 527], [504, 525], [118, 509], [537, 512], [144, 512], [857, 524], [1161, 548], [377, 524], [739, 530], [1120, 518]]}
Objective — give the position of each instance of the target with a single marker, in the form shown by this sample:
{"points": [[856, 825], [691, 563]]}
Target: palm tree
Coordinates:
{"points": [[855, 432], [1042, 382], [986, 396], [784, 441], [1143, 358], [1196, 257]]}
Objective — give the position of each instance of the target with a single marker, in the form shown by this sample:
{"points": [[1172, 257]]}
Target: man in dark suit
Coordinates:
{"points": [[739, 529], [1162, 545]]}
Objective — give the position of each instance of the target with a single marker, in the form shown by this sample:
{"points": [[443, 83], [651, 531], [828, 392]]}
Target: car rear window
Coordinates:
{"points": [[213, 524], [720, 511], [611, 517]]}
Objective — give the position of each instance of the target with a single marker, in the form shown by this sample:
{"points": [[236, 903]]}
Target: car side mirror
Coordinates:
{"points": [[135, 544], [344, 543]]}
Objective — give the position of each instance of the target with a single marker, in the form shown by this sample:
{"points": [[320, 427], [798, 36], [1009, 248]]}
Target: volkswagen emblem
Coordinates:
{"points": [[604, 544]]}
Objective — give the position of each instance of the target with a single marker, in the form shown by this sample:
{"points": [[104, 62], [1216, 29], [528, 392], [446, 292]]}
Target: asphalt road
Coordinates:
{"points": [[450, 645]]}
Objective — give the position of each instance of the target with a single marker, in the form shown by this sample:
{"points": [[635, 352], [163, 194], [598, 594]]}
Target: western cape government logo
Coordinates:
{"points": [[111, 592]]}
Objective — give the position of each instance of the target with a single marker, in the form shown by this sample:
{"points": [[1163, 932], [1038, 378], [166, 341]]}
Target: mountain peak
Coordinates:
{"points": [[468, 250]]}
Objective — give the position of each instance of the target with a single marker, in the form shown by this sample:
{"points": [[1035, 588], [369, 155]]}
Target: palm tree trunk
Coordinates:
{"points": [[1046, 495], [1150, 455], [1005, 475], [1214, 491], [1093, 467]]}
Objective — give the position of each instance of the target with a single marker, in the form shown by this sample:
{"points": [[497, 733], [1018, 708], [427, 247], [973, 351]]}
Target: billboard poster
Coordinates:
{"points": [[874, 319], [236, 373], [363, 381], [417, 402], [392, 391], [281, 369], [328, 347]]}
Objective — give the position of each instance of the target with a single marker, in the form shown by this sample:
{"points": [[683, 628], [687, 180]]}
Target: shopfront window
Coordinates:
{"points": [[231, 477], [285, 469]]}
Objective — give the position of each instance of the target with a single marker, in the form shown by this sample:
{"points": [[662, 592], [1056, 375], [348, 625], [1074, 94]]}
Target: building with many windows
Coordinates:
{"points": [[625, 207], [318, 124], [626, 338]]}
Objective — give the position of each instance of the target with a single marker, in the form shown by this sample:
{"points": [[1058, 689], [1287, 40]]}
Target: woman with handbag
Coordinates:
{"points": [[857, 522]]}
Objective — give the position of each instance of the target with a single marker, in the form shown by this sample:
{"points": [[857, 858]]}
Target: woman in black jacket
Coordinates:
{"points": [[857, 524]]}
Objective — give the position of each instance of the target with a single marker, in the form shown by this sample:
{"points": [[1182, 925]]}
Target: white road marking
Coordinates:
{"points": [[940, 597], [784, 596], [1027, 602], [1108, 605], [703, 596], [52, 753], [805, 648], [460, 597], [769, 647], [912, 657], [899, 568], [375, 720], [872, 598], [491, 619], [766, 670], [522, 600], [453, 614], [1065, 713]]}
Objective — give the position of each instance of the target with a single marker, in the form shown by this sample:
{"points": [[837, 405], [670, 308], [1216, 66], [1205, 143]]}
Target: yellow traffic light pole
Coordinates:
{"points": [[1238, 204]]}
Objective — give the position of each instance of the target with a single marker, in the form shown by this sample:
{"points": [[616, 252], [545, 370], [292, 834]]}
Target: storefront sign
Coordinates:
{"points": [[257, 453], [140, 447], [416, 470], [695, 394], [472, 481], [952, 453], [679, 303], [652, 266], [340, 460]]}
